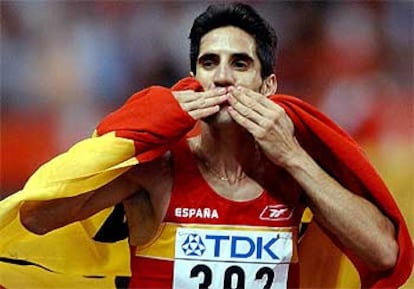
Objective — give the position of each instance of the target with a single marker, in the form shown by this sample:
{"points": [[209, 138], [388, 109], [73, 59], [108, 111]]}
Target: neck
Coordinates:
{"points": [[223, 151]]}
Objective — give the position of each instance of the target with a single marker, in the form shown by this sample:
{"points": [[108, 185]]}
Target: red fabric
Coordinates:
{"points": [[340, 156], [148, 273], [154, 120]]}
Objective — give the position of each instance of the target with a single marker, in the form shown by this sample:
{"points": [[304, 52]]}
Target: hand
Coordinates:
{"points": [[266, 121], [201, 104]]}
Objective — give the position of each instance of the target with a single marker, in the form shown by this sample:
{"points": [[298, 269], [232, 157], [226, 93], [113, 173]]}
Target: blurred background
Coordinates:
{"points": [[65, 64]]}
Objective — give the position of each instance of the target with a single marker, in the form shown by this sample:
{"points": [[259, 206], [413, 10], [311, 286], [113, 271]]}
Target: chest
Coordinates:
{"points": [[206, 240], [194, 201], [213, 236], [181, 194]]}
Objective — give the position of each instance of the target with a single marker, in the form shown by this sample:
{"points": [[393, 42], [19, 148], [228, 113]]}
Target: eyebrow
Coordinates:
{"points": [[207, 56], [243, 56]]}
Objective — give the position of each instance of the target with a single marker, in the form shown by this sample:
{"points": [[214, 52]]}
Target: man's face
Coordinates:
{"points": [[228, 57]]}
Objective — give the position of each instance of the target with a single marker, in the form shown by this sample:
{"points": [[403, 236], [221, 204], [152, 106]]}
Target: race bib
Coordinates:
{"points": [[231, 259]]}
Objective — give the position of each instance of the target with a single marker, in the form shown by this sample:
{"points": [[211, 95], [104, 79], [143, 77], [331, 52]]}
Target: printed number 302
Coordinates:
{"points": [[228, 276]]}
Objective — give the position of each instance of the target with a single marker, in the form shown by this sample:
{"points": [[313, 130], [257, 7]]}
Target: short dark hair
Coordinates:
{"points": [[244, 17]]}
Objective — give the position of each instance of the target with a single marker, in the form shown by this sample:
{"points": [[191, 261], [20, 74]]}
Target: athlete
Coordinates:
{"points": [[222, 209]]}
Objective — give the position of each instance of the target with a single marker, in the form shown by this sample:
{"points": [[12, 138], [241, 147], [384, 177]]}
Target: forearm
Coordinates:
{"points": [[356, 222], [41, 217]]}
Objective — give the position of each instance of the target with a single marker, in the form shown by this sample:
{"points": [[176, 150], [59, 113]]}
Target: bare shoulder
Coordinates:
{"points": [[154, 180], [153, 176]]}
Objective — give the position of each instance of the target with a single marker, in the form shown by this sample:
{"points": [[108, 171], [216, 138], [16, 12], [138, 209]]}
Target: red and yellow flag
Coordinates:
{"points": [[144, 128]]}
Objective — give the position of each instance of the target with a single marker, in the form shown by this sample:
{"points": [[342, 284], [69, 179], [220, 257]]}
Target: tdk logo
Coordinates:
{"points": [[193, 245], [233, 245], [243, 247]]}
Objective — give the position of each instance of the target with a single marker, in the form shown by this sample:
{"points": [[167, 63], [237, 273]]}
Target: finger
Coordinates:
{"points": [[250, 125], [240, 107], [218, 91], [246, 111], [205, 112], [252, 100], [190, 100], [264, 118], [205, 102], [190, 95]]}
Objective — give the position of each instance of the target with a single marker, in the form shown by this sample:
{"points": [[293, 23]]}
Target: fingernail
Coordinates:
{"points": [[221, 90]]}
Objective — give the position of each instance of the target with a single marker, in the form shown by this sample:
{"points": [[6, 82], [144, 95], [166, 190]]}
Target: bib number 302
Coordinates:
{"points": [[234, 277]]}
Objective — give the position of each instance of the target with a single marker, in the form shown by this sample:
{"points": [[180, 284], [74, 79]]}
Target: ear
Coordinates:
{"points": [[269, 85]]}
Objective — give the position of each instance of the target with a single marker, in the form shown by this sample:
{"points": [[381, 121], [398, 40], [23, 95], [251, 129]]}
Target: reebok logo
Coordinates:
{"points": [[276, 213]]}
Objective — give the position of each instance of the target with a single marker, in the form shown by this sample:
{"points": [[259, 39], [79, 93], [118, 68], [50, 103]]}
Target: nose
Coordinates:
{"points": [[223, 76]]}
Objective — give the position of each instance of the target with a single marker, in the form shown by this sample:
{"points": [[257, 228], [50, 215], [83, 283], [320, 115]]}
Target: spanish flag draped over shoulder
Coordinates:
{"points": [[144, 128]]}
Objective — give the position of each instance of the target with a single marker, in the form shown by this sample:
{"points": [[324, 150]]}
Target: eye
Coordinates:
{"points": [[241, 65], [208, 61], [208, 64]]}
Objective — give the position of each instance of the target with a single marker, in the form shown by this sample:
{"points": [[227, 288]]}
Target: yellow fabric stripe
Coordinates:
{"points": [[307, 216], [30, 277], [322, 264], [69, 249], [88, 165], [162, 246]]}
